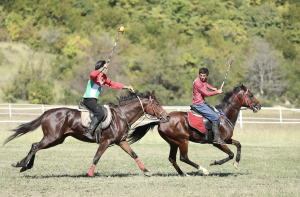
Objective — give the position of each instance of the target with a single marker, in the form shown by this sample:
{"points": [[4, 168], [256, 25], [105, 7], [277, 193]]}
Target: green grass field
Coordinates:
{"points": [[269, 166]]}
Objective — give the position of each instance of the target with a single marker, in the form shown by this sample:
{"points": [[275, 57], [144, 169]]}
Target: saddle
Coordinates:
{"points": [[195, 117], [87, 116]]}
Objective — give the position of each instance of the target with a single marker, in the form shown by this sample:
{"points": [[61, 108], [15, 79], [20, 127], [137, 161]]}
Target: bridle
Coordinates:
{"points": [[145, 114], [241, 103], [245, 96], [155, 110]]}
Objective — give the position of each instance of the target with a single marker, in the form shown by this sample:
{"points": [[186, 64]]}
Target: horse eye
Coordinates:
{"points": [[157, 104]]}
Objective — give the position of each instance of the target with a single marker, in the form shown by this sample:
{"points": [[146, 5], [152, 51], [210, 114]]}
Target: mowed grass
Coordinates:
{"points": [[269, 166]]}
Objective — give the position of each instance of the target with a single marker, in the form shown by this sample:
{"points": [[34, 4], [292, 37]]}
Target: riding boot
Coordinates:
{"points": [[89, 132], [217, 139]]}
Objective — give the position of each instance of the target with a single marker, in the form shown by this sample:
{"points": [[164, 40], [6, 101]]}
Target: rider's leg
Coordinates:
{"points": [[215, 129], [207, 112], [92, 104]]}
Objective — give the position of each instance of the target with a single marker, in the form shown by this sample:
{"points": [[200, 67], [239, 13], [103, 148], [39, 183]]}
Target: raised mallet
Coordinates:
{"points": [[229, 63], [120, 29]]}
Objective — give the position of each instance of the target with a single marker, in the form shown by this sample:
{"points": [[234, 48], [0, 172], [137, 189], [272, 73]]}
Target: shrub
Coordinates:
{"points": [[40, 92]]}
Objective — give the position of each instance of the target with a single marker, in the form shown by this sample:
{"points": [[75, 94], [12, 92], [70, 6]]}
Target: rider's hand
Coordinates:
{"points": [[130, 87], [220, 91]]}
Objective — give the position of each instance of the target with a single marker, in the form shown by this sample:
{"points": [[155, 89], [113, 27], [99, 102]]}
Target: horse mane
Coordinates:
{"points": [[226, 97], [129, 96]]}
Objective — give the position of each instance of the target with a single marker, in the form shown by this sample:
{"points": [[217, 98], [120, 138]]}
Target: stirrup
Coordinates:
{"points": [[88, 135]]}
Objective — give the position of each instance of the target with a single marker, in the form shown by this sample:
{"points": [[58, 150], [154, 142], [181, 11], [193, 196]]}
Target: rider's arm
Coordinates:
{"points": [[94, 75], [113, 84], [200, 88], [209, 87]]}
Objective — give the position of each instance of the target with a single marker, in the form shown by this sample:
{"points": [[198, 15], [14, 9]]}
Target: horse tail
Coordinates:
{"points": [[140, 132], [25, 128]]}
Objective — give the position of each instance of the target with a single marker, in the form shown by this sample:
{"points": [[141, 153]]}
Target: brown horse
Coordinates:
{"points": [[178, 133], [57, 124]]}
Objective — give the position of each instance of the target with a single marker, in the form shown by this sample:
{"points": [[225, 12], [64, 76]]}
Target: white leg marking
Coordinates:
{"points": [[204, 171]]}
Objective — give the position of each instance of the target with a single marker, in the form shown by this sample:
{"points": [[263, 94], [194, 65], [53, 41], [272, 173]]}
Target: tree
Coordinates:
{"points": [[264, 66]]}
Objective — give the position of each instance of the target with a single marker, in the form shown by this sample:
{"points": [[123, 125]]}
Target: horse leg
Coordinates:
{"points": [[183, 147], [172, 159], [225, 149], [43, 144], [29, 165], [238, 155], [24, 161], [125, 146], [102, 148]]}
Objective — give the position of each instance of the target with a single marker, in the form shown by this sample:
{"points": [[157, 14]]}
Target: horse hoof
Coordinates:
{"points": [[147, 173], [213, 162], [23, 169], [15, 164], [204, 171], [236, 164]]}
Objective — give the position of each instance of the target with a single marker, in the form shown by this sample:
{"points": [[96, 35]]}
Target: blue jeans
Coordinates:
{"points": [[208, 113]]}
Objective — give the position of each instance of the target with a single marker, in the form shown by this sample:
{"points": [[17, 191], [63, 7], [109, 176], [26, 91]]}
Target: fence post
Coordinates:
{"points": [[43, 108], [9, 110], [280, 115], [241, 119]]}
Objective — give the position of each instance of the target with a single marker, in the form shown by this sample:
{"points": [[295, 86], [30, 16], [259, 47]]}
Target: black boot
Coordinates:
{"points": [[215, 129], [89, 132]]}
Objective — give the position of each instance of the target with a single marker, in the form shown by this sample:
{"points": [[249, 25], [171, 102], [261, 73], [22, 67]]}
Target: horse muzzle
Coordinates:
{"points": [[256, 108], [165, 119]]}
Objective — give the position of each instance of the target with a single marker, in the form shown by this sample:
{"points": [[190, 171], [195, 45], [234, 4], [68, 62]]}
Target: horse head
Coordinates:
{"points": [[246, 99], [154, 108]]}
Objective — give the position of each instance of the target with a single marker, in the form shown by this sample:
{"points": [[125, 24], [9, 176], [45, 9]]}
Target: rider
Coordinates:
{"points": [[199, 92], [97, 79]]}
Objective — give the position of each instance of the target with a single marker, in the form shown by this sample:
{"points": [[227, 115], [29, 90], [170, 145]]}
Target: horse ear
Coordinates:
{"points": [[153, 93], [242, 86]]}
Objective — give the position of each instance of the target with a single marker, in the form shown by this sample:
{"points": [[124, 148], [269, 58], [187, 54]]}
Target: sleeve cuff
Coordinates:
{"points": [[125, 87]]}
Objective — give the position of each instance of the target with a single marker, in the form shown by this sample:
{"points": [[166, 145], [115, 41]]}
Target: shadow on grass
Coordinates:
{"points": [[96, 175], [200, 174], [219, 174]]}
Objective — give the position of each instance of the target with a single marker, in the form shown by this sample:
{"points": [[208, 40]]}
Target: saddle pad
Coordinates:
{"points": [[196, 122], [196, 113], [86, 119]]}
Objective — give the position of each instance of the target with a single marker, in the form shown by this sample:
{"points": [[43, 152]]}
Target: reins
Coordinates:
{"points": [[144, 112], [241, 103]]}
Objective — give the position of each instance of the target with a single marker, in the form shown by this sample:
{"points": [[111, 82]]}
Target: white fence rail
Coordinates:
{"points": [[40, 109]]}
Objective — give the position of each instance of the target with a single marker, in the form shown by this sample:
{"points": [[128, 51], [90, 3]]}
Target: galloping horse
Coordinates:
{"points": [[59, 123], [178, 133]]}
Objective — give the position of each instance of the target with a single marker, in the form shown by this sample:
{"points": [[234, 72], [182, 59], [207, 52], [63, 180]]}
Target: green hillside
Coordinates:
{"points": [[49, 47]]}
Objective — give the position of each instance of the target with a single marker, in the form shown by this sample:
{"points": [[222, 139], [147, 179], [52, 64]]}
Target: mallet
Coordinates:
{"points": [[120, 29], [229, 63]]}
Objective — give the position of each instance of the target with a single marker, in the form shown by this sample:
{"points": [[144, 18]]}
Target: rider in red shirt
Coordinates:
{"points": [[199, 92]]}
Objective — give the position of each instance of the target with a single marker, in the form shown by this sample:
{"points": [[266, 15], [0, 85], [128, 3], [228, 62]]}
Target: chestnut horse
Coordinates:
{"points": [[59, 123], [178, 133]]}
